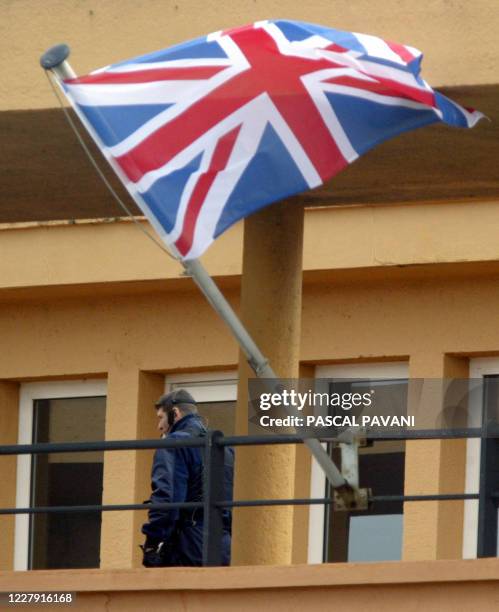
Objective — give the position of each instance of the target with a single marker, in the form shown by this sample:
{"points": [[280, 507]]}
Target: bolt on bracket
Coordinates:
{"points": [[347, 499]]}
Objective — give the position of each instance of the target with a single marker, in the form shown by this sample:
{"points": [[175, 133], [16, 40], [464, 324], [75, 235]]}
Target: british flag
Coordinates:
{"points": [[207, 132]]}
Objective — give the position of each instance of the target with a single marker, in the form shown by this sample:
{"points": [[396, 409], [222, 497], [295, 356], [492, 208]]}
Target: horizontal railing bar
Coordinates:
{"points": [[414, 498], [113, 445], [101, 508], [275, 502], [418, 434], [235, 504], [260, 440], [428, 434], [110, 445], [328, 500]]}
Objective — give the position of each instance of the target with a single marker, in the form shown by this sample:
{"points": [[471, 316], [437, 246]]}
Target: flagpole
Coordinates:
{"points": [[256, 360], [55, 59]]}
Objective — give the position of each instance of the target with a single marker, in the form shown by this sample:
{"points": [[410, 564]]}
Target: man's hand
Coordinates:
{"points": [[152, 556]]}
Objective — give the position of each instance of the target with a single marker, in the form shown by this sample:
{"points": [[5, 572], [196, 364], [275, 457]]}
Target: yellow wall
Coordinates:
{"points": [[60, 255], [441, 586], [100, 32], [387, 282], [9, 411], [129, 415], [134, 332]]}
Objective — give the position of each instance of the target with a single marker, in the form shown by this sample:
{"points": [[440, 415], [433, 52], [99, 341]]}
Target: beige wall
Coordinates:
{"points": [[303, 471], [432, 586], [374, 240], [435, 467], [450, 32], [385, 282], [134, 333], [129, 415], [9, 418]]}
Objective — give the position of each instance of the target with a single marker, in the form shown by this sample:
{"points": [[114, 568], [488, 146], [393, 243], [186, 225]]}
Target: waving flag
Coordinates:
{"points": [[207, 132]]}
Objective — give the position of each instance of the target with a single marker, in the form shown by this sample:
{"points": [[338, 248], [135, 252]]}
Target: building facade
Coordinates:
{"points": [[400, 269]]}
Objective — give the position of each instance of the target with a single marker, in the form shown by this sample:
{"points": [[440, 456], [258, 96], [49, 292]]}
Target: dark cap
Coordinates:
{"points": [[179, 396]]}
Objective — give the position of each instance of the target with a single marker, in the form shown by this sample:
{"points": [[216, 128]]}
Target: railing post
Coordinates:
{"points": [[213, 493], [489, 472], [487, 503]]}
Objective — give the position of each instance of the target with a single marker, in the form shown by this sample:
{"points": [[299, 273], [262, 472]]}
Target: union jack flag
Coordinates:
{"points": [[209, 131]]}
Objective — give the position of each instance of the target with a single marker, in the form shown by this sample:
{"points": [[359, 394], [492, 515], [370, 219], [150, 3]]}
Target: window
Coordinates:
{"points": [[375, 534], [60, 412], [215, 394], [486, 369]]}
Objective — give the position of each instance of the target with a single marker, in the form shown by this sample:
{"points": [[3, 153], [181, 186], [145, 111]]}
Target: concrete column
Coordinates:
{"points": [[129, 415], [303, 475], [151, 386], [9, 423], [434, 530], [271, 293]]}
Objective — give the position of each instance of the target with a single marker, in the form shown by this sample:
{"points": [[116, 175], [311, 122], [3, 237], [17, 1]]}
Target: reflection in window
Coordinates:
{"points": [[219, 416], [66, 540], [374, 534]]}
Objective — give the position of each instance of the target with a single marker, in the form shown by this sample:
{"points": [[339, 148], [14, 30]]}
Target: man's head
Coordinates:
{"points": [[172, 406]]}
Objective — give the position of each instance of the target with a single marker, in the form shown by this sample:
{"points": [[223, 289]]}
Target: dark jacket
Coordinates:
{"points": [[177, 476]]}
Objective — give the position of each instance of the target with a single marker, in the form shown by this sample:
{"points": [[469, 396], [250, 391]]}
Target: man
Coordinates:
{"points": [[175, 537]]}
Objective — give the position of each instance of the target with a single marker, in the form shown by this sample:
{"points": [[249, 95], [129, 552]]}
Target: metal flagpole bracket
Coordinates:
{"points": [[351, 435], [353, 497], [351, 500]]}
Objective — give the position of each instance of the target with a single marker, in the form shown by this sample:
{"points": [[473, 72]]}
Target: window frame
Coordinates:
{"points": [[374, 370], [206, 386], [479, 367], [29, 392]]}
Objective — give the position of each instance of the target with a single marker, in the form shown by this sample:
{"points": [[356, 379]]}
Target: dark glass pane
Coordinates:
{"points": [[219, 415], [488, 512], [374, 534], [67, 540]]}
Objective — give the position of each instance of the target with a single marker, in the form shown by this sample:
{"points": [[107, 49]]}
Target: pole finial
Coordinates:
{"points": [[54, 56]]}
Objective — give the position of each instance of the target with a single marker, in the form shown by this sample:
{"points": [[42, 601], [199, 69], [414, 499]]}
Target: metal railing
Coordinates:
{"points": [[212, 446]]}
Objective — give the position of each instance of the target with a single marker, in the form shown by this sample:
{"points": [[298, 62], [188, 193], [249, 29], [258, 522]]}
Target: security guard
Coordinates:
{"points": [[175, 537]]}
